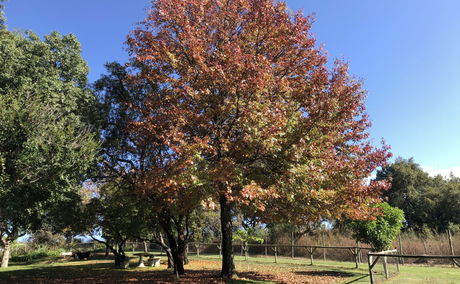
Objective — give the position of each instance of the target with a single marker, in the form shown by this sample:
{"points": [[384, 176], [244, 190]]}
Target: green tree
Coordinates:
{"points": [[2, 16], [251, 230], [381, 232], [115, 216], [205, 226], [408, 184], [426, 201], [47, 143], [442, 204]]}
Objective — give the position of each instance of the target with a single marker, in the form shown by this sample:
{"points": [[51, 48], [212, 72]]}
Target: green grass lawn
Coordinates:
{"points": [[408, 273], [425, 274], [204, 269]]}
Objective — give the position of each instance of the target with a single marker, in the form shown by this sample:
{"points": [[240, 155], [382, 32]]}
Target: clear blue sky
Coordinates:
{"points": [[407, 52]]}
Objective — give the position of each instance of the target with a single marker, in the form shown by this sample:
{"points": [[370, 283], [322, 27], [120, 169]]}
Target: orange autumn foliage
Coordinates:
{"points": [[246, 106]]}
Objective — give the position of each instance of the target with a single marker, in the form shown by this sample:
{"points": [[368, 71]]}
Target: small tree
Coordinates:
{"points": [[383, 230], [115, 216], [250, 231]]}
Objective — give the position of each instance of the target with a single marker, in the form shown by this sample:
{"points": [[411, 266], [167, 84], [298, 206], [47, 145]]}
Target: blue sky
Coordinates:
{"points": [[407, 53]]}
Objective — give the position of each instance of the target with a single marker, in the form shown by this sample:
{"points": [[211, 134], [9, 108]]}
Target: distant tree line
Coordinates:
{"points": [[428, 202]]}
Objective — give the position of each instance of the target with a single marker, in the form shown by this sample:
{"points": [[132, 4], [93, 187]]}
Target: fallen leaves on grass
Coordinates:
{"points": [[198, 271]]}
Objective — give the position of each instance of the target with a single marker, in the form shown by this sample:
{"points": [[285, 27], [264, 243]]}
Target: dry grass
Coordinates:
{"points": [[412, 243]]}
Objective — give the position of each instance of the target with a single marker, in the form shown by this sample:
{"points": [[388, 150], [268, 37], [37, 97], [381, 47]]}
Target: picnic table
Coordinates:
{"points": [[152, 260]]}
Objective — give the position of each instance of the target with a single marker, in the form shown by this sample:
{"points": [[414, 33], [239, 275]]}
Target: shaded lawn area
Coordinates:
{"points": [[205, 269], [200, 270]]}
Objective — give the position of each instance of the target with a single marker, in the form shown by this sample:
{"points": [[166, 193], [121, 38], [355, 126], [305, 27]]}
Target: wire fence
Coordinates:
{"points": [[312, 253]]}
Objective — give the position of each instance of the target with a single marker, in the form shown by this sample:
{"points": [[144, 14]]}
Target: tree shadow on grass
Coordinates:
{"points": [[56, 274], [334, 273], [331, 273], [255, 276], [104, 273]]}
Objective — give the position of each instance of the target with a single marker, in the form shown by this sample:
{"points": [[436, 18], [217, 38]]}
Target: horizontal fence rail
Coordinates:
{"points": [[373, 258], [310, 252], [276, 250]]}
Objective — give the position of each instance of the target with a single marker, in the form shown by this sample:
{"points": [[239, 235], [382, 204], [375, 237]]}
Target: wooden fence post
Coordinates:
{"points": [[311, 250], [369, 262], [451, 246], [356, 256], [385, 268], [276, 255], [246, 251], [220, 250], [400, 259], [324, 249], [359, 252]]}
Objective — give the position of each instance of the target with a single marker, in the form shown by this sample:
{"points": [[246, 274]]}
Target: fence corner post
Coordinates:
{"points": [[369, 262]]}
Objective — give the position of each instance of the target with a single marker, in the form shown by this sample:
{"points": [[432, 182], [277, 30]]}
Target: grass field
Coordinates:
{"points": [[205, 269]]}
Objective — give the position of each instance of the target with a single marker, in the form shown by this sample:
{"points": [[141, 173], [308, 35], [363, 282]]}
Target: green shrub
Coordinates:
{"points": [[381, 232], [39, 253]]}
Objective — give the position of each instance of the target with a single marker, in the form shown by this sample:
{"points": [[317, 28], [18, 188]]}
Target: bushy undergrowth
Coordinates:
{"points": [[38, 253]]}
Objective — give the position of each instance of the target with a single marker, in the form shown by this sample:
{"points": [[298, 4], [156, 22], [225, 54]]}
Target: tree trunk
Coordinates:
{"points": [[176, 245], [228, 266], [178, 262], [178, 259], [181, 246], [186, 260], [160, 241], [170, 258], [6, 253]]}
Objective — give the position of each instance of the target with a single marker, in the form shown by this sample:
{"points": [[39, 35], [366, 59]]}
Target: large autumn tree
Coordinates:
{"points": [[47, 142], [242, 85]]}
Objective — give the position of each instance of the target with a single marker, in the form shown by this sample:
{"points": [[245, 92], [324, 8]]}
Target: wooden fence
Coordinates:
{"points": [[373, 257], [275, 249]]}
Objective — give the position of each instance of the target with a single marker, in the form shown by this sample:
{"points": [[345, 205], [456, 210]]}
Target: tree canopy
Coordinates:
{"points": [[383, 230], [242, 90], [2, 16], [47, 142], [426, 201]]}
